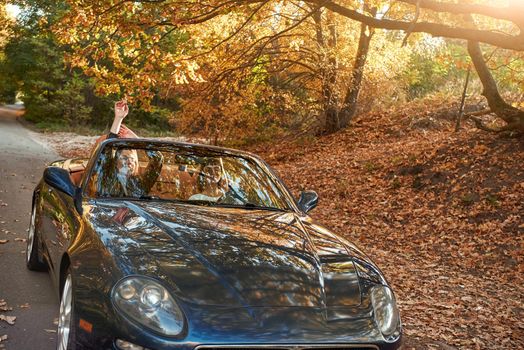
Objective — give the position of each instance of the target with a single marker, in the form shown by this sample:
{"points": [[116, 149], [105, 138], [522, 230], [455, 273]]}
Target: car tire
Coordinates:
{"points": [[34, 259], [66, 331]]}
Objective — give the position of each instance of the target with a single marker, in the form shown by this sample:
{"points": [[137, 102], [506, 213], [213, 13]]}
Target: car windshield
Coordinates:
{"points": [[197, 177]]}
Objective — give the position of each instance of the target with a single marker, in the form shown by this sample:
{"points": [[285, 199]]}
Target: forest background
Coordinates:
{"points": [[414, 107], [238, 72]]}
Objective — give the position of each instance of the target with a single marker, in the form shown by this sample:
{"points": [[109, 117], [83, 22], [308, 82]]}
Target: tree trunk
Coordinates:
{"points": [[349, 107], [328, 71], [332, 114], [513, 117]]}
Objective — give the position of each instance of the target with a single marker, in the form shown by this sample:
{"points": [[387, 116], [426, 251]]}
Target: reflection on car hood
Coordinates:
{"points": [[229, 256]]}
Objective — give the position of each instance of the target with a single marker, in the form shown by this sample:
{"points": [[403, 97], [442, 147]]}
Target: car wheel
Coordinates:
{"points": [[34, 259], [66, 330]]}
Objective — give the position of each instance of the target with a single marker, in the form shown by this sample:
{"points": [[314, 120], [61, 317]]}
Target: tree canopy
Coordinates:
{"points": [[268, 65]]}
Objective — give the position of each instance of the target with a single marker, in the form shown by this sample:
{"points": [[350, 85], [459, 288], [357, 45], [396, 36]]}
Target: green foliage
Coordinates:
{"points": [[50, 93], [8, 87], [70, 102], [154, 121], [57, 97], [429, 71]]}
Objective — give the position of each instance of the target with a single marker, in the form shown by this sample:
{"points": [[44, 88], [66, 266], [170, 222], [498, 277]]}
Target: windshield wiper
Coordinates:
{"points": [[201, 202], [249, 205], [149, 197], [137, 198]]}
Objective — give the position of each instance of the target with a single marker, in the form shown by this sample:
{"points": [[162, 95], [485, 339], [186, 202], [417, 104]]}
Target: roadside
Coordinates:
{"points": [[28, 305], [442, 213]]}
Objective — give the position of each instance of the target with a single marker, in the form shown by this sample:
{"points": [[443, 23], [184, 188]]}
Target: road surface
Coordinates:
{"points": [[30, 294]]}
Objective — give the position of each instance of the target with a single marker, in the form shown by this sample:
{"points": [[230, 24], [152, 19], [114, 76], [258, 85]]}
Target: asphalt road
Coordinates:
{"points": [[30, 294]]}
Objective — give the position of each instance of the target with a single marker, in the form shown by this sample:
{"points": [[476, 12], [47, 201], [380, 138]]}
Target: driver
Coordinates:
{"points": [[212, 182]]}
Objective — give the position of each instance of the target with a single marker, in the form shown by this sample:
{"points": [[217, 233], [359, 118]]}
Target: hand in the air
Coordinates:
{"points": [[121, 109]]}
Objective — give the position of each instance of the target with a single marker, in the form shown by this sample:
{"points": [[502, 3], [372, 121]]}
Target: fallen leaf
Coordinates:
{"points": [[3, 337], [20, 239], [3, 241], [8, 319], [50, 330], [25, 306]]}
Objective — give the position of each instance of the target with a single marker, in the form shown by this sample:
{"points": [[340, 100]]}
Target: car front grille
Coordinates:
{"points": [[289, 347]]}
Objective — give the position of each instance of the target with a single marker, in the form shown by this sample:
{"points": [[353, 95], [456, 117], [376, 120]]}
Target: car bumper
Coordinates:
{"points": [[220, 328]]}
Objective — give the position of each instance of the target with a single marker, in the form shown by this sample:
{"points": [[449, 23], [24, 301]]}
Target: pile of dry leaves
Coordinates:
{"points": [[442, 213]]}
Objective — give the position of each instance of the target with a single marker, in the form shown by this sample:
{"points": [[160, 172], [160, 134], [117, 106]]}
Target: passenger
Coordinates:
{"points": [[121, 172]]}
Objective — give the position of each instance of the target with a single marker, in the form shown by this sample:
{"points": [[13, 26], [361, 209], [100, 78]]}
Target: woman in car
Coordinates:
{"points": [[121, 171]]}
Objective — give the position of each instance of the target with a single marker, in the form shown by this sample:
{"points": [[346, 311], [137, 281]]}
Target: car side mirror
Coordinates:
{"points": [[307, 201], [59, 179]]}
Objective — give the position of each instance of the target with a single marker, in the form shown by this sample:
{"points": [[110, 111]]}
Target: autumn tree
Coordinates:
{"points": [[5, 23], [148, 47], [7, 90], [500, 26], [287, 49]]}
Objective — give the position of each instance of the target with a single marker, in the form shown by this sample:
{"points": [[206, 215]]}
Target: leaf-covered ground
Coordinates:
{"points": [[441, 213]]}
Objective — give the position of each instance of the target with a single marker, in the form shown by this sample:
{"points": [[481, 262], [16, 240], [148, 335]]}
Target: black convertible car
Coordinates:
{"points": [[160, 245]]}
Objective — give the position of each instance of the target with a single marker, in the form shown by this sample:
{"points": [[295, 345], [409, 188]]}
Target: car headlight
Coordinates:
{"points": [[386, 312], [148, 303]]}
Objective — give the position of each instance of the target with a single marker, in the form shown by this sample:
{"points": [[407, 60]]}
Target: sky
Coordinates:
{"points": [[12, 10]]}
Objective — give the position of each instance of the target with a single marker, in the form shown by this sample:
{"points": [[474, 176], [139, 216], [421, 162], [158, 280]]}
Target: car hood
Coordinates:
{"points": [[229, 256]]}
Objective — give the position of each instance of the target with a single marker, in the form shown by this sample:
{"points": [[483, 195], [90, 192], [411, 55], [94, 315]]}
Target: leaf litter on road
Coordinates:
{"points": [[4, 306], [9, 319]]}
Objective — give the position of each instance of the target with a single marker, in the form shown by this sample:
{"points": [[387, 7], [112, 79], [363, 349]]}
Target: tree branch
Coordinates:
{"points": [[511, 42], [412, 25], [478, 113], [504, 13], [480, 125]]}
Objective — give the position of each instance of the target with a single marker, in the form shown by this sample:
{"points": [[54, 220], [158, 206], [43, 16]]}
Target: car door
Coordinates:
{"points": [[59, 223]]}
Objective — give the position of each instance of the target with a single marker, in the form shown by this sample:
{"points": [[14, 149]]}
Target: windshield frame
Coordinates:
{"points": [[158, 145]]}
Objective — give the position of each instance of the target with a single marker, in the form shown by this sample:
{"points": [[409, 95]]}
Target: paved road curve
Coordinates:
{"points": [[22, 161]]}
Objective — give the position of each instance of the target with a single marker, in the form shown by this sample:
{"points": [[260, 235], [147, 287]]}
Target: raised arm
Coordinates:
{"points": [[151, 173], [118, 130], [121, 111]]}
